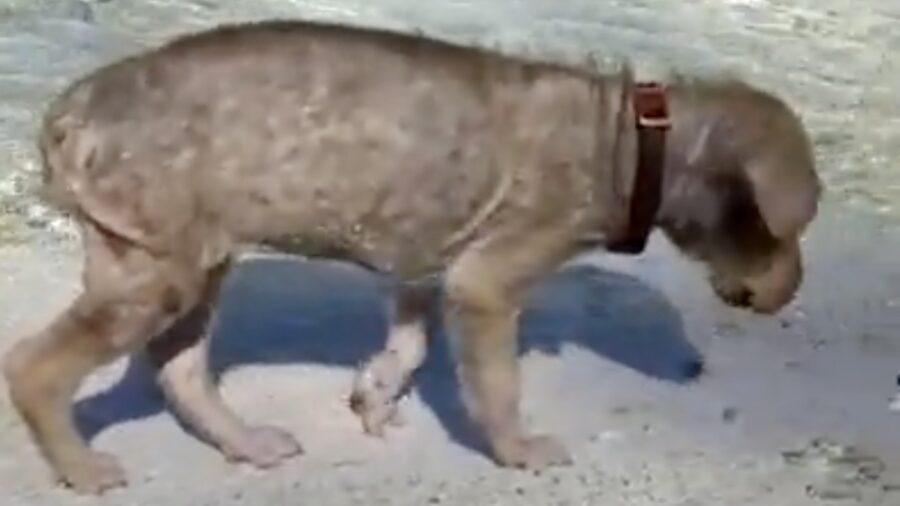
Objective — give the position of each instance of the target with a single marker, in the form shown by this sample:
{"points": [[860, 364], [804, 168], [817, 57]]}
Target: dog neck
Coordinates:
{"points": [[651, 120]]}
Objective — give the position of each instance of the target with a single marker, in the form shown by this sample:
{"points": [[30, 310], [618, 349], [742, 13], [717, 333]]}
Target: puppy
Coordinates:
{"points": [[406, 155]]}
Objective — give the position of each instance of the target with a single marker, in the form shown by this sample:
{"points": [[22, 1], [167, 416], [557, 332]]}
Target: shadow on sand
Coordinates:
{"points": [[277, 310]]}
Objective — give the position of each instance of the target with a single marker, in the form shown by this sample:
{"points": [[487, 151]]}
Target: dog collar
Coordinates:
{"points": [[651, 121]]}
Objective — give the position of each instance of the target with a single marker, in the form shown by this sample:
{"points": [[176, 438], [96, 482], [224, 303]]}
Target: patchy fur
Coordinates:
{"points": [[403, 154]]}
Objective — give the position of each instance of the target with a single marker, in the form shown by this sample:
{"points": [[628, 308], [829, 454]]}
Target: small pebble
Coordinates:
{"points": [[833, 492], [621, 410], [891, 487], [895, 404], [730, 415]]}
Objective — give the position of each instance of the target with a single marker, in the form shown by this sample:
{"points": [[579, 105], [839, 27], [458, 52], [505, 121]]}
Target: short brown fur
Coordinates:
{"points": [[404, 154]]}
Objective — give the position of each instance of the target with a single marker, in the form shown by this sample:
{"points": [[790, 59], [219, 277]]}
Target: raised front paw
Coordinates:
{"points": [[375, 416], [533, 453], [263, 447], [377, 386]]}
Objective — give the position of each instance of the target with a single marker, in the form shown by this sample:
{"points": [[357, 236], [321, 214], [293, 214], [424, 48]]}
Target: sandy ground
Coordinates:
{"points": [[605, 346], [605, 342]]}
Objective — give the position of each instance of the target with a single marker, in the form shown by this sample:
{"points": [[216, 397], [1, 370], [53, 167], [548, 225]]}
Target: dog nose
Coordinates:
{"points": [[773, 289], [740, 297], [768, 298], [767, 305]]}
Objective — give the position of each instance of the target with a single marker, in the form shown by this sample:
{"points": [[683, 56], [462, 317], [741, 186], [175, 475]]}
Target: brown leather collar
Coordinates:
{"points": [[652, 121]]}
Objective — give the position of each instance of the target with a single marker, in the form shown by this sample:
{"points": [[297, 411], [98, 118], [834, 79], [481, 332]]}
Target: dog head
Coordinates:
{"points": [[740, 189]]}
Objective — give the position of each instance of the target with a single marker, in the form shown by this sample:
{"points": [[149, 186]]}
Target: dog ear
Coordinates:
{"points": [[786, 190], [778, 160]]}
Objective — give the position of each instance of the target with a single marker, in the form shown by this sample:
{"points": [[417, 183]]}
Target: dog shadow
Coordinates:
{"points": [[278, 310]]}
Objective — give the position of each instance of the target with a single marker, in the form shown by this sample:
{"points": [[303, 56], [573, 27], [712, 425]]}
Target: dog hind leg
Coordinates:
{"points": [[128, 296], [181, 356]]}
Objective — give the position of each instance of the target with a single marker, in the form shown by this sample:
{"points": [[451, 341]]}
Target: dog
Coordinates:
{"points": [[408, 156]]}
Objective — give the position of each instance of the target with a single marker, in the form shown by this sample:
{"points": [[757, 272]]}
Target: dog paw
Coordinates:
{"points": [[263, 447], [375, 391], [533, 453], [93, 474], [375, 416]]}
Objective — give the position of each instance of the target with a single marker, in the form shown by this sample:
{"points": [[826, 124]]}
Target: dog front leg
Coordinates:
{"points": [[482, 309], [381, 379]]}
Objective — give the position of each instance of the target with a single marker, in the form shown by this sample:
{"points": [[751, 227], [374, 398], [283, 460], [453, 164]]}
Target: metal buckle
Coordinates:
{"points": [[650, 102], [663, 123]]}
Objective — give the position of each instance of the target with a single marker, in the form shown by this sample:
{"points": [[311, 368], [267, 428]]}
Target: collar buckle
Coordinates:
{"points": [[650, 106], [651, 122]]}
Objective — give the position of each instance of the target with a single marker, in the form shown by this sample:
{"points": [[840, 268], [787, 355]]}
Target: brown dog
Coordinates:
{"points": [[406, 155]]}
